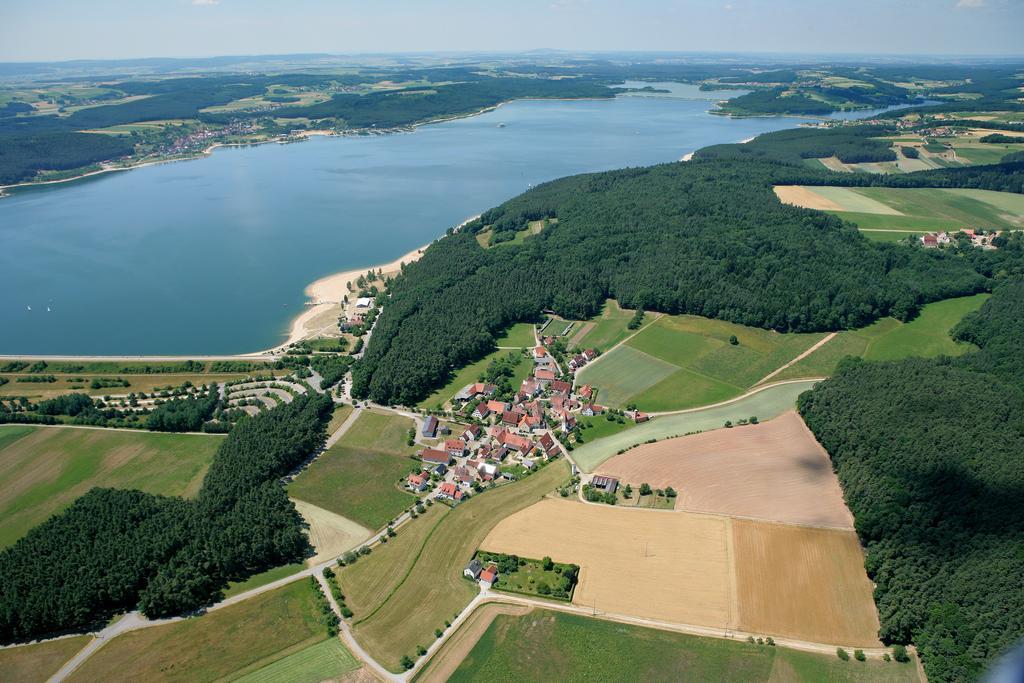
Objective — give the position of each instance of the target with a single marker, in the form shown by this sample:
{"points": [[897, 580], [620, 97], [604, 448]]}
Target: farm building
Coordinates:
{"points": [[429, 427], [606, 484], [489, 576], [473, 569], [433, 456]]}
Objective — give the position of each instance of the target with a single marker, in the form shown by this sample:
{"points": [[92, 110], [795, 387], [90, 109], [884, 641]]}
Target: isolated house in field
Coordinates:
{"points": [[606, 484], [489, 576], [435, 457], [429, 427], [473, 569]]}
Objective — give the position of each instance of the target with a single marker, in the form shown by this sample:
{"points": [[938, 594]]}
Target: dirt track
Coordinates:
{"points": [[773, 471], [444, 664]]}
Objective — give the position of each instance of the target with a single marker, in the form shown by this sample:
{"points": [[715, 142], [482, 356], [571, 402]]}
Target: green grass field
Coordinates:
{"points": [[44, 469], [410, 604], [889, 339], [610, 327], [519, 336], [36, 663], [357, 477], [548, 645], [222, 644], [765, 404], [686, 361], [926, 209], [321, 662], [469, 374]]}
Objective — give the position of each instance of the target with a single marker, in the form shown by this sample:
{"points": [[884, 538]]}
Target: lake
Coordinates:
{"points": [[211, 256]]}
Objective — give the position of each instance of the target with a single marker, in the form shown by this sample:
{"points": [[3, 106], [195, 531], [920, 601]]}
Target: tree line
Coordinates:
{"points": [[707, 237], [930, 455], [116, 550]]}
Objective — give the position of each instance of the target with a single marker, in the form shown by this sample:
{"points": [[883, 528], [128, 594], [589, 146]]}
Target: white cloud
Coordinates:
{"points": [[970, 4], [214, 2]]}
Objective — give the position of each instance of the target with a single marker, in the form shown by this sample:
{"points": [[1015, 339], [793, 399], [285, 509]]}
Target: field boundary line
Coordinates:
{"points": [[755, 390], [657, 317], [128, 430], [814, 347], [412, 566]]}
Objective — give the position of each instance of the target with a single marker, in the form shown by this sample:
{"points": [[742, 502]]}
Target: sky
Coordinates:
{"points": [[53, 30]]}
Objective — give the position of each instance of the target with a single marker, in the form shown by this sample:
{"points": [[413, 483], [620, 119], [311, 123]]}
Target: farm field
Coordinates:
{"points": [[469, 374], [912, 208], [338, 417], [330, 534], [773, 470], [366, 587], [578, 648], [927, 336], [684, 361], [519, 335], [44, 469], [607, 329], [36, 663], [321, 662], [434, 589], [455, 650], [224, 643], [357, 477], [668, 566], [706, 570], [803, 583], [766, 404]]}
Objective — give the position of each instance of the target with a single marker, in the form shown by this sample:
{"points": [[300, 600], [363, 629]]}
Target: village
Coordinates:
{"points": [[491, 441], [978, 238]]}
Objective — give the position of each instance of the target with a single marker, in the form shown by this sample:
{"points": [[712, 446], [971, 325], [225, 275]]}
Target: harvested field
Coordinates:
{"points": [[32, 663], [330, 534], [704, 570], [774, 471], [803, 583], [433, 589], [451, 656], [798, 195], [660, 565]]}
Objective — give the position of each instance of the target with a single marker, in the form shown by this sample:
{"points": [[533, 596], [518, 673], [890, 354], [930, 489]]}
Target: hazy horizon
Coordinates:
{"points": [[60, 30]]}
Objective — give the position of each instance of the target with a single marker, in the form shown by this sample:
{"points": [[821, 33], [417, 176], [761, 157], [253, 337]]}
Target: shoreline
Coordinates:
{"points": [[330, 290]]}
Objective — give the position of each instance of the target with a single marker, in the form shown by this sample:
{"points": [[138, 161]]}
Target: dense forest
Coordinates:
{"points": [[115, 550], [934, 475], [23, 156], [706, 237]]}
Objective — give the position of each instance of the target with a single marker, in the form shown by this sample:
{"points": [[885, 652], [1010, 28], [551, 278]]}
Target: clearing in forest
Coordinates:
{"points": [[774, 471], [44, 469]]}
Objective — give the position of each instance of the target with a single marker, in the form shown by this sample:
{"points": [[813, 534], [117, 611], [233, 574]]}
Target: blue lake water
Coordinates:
{"points": [[211, 256]]}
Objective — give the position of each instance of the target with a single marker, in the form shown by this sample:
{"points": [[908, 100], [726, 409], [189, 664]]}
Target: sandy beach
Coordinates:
{"points": [[327, 294]]}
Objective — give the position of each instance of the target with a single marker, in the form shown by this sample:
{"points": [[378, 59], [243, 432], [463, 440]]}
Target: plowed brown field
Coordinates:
{"points": [[774, 471]]}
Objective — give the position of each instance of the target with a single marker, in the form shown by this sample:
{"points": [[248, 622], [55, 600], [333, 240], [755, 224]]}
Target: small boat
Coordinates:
{"points": [[47, 309], [29, 307]]}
